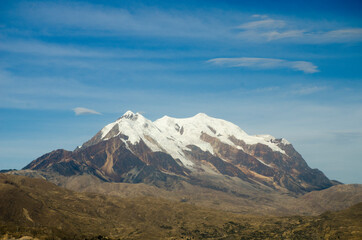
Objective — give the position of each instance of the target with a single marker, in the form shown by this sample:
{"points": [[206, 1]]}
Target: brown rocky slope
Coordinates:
{"points": [[37, 208]]}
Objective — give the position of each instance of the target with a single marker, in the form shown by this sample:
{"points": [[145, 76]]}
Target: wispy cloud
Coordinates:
{"points": [[275, 35], [84, 111], [265, 63], [260, 16], [269, 29], [47, 49], [267, 89], [263, 24], [308, 90], [92, 19], [346, 136], [99, 20], [340, 35]]}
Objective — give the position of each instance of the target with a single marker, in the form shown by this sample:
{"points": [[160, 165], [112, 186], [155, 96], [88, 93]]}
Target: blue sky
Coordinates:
{"points": [[292, 69]]}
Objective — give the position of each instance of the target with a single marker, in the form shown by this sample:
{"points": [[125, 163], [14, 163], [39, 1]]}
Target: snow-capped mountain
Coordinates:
{"points": [[135, 149]]}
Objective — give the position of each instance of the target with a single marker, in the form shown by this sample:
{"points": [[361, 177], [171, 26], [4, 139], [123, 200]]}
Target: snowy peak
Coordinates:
{"points": [[201, 115], [132, 125], [174, 135], [200, 123], [183, 132], [188, 147], [194, 127], [129, 115], [190, 129]]}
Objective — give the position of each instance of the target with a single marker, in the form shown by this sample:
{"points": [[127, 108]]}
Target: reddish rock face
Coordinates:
{"points": [[112, 160]]}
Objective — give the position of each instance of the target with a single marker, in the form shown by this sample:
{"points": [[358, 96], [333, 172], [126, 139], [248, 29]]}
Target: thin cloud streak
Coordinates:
{"points": [[309, 90], [91, 19], [263, 16], [269, 29], [46, 49], [265, 63], [84, 111], [347, 135], [275, 35], [267, 23]]}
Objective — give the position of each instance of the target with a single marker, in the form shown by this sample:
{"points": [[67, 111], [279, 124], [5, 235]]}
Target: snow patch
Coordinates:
{"points": [[268, 165], [270, 138], [285, 141]]}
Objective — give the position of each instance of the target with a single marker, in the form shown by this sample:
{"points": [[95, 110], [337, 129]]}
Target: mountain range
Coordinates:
{"points": [[191, 178], [201, 160], [200, 150]]}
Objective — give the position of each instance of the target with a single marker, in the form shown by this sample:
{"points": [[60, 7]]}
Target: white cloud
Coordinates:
{"points": [[98, 20], [340, 35], [267, 23], [46, 49], [92, 19], [260, 16], [82, 111], [274, 35], [306, 67], [265, 63], [269, 29], [309, 90], [267, 89], [346, 135]]}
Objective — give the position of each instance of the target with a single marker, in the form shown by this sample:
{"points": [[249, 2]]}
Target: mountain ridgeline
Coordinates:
{"points": [[200, 150]]}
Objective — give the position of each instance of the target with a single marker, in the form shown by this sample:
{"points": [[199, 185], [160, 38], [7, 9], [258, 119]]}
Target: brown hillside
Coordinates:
{"points": [[34, 207]]}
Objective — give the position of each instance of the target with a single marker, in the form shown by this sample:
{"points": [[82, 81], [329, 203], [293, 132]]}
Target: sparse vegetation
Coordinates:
{"points": [[56, 213]]}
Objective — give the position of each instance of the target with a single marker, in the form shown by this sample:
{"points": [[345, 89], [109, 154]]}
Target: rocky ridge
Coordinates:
{"points": [[197, 150]]}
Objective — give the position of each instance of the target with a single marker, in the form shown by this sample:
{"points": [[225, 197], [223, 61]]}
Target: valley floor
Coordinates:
{"points": [[39, 209]]}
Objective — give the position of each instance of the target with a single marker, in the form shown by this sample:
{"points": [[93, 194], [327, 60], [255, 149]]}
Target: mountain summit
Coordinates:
{"points": [[200, 150]]}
